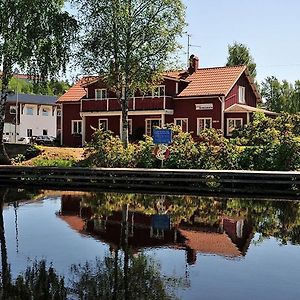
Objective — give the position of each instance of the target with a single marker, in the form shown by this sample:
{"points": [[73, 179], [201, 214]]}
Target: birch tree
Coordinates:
{"points": [[35, 36], [128, 42]]}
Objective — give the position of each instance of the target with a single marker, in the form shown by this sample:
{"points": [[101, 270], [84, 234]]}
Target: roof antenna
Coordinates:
{"points": [[189, 45]]}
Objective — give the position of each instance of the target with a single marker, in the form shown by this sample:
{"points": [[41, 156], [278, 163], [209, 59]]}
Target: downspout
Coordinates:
{"points": [[61, 123], [222, 99]]}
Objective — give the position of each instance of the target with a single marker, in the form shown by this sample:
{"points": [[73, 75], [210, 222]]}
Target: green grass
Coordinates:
{"points": [[41, 162]]}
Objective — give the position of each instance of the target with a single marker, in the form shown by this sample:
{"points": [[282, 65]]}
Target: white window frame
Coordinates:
{"points": [[234, 121], [158, 91], [13, 109], [204, 119], [242, 94], [182, 119], [72, 124], [106, 120], [101, 98], [146, 125]]}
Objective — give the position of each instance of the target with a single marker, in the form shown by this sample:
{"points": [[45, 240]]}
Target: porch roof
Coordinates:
{"points": [[243, 108]]}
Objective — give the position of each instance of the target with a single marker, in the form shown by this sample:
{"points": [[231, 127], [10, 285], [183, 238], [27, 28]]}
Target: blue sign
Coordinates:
{"points": [[161, 222], [162, 136]]}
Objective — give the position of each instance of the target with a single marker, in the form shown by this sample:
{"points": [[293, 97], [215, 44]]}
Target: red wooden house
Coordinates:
{"points": [[220, 97]]}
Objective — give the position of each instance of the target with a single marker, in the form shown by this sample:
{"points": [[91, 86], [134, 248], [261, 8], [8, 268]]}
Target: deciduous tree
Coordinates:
{"points": [[36, 36], [128, 43]]}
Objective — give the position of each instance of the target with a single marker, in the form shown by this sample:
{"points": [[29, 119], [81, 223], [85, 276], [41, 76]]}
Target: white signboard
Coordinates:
{"points": [[204, 106]]}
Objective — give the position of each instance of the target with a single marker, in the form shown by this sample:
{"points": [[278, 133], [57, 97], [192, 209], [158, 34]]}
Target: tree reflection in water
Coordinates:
{"points": [[120, 275], [130, 223]]}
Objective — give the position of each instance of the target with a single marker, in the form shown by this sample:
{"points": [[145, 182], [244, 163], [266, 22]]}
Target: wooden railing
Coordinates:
{"points": [[137, 103], [238, 183]]}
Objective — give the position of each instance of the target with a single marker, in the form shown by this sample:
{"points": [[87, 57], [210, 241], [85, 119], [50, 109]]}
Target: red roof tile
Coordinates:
{"points": [[210, 243], [76, 92], [212, 81]]}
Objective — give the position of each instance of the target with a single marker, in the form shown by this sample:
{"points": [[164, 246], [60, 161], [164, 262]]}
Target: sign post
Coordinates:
{"points": [[162, 138]]}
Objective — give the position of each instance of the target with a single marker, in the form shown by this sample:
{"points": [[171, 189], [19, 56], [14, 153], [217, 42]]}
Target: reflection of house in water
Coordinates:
{"points": [[229, 238]]}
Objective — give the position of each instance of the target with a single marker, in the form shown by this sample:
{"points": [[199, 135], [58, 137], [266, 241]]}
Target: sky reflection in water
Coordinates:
{"points": [[212, 248]]}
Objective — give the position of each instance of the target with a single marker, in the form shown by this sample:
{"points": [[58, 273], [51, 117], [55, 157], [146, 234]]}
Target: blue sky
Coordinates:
{"points": [[270, 28]]}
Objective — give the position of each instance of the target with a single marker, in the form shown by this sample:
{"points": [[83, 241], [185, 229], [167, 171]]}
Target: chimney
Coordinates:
{"points": [[193, 64]]}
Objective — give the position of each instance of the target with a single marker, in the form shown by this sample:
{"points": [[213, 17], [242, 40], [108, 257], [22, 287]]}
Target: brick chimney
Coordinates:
{"points": [[193, 64]]}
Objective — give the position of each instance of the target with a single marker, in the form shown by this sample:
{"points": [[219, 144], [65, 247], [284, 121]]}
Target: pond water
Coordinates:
{"points": [[138, 246]]}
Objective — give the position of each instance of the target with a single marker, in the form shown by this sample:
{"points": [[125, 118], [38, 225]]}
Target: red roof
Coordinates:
{"points": [[76, 92], [204, 82], [210, 243], [212, 81]]}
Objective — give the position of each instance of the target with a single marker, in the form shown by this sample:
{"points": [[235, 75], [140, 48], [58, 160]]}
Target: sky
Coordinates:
{"points": [[270, 28]]}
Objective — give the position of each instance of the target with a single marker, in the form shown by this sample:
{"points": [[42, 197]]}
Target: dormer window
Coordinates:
{"points": [[101, 94], [242, 94], [159, 91]]}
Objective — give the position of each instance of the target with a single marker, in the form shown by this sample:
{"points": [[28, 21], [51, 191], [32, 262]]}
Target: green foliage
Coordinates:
{"points": [[239, 54], [18, 159], [128, 43], [38, 282], [51, 88], [143, 154], [44, 162], [35, 36], [31, 152], [281, 96], [106, 150], [107, 279], [264, 144], [272, 144]]}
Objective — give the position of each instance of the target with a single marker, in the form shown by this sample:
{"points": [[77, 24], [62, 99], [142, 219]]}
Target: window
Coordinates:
{"points": [[233, 123], [151, 124], [158, 91], [45, 112], [59, 112], [103, 123], [183, 123], [129, 126], [29, 111], [241, 94], [29, 132], [45, 132], [12, 110], [76, 127], [203, 123], [100, 94]]}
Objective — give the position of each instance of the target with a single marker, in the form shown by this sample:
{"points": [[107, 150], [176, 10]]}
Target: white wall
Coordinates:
{"points": [[37, 122], [9, 128]]}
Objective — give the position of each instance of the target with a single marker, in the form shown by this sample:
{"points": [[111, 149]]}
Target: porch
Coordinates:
{"points": [[135, 104]]}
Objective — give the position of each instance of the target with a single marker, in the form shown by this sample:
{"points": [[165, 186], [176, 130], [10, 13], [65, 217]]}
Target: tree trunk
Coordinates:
{"points": [[4, 159], [125, 122], [6, 277]]}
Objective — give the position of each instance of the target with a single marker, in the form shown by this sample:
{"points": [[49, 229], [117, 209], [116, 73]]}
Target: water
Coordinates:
{"points": [[157, 247]]}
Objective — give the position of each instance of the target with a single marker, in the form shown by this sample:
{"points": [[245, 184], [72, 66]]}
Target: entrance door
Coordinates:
{"points": [[151, 124]]}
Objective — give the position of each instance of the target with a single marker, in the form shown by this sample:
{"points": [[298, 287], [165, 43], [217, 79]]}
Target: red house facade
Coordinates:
{"points": [[221, 97]]}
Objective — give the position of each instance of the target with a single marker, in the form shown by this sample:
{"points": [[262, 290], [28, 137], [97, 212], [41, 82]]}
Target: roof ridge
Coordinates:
{"points": [[223, 67]]}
